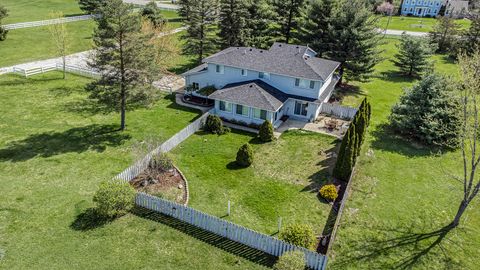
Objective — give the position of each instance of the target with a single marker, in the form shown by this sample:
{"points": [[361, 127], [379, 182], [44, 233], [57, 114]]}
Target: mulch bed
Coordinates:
{"points": [[169, 185]]}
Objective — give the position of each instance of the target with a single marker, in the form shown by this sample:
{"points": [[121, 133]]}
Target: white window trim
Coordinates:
{"points": [[259, 118], [221, 69], [226, 102], [244, 115], [303, 103], [245, 72], [266, 75]]}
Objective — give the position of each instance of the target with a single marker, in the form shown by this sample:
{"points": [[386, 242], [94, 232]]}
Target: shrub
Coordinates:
{"points": [[214, 125], [114, 198], [301, 235], [245, 155], [291, 260], [266, 132], [161, 162], [329, 192]]}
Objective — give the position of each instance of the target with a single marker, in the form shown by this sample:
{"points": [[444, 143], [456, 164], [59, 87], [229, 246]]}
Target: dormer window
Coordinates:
{"points": [[220, 69], [302, 83], [264, 75], [244, 72]]}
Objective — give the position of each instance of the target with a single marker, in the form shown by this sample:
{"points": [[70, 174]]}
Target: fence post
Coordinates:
{"points": [[228, 210], [279, 224]]}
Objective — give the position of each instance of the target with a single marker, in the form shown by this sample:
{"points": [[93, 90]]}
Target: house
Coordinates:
{"points": [[421, 8], [433, 8], [254, 85]]}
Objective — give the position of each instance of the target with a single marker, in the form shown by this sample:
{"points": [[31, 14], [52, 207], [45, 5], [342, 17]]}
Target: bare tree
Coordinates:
{"points": [[60, 38], [470, 75]]}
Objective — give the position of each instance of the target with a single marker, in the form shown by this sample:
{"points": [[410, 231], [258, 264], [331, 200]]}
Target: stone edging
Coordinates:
{"points": [[185, 182]]}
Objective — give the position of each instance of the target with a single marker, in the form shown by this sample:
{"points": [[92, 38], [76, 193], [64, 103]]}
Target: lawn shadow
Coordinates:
{"points": [[76, 140], [408, 248], [184, 67], [173, 105], [233, 165], [386, 139], [212, 239], [87, 107], [88, 220], [324, 175], [346, 90], [395, 76]]}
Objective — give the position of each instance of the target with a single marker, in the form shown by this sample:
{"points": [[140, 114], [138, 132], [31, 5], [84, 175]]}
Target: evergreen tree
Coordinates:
{"points": [[233, 17], [472, 37], [346, 155], [354, 39], [153, 13], [360, 122], [258, 32], [185, 8], [412, 56], [200, 35], [444, 34], [3, 14], [266, 132], [91, 6], [288, 13], [429, 112], [314, 25], [123, 55]]}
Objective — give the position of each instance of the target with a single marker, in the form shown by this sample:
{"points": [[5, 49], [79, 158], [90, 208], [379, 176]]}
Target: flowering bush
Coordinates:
{"points": [[329, 192]]}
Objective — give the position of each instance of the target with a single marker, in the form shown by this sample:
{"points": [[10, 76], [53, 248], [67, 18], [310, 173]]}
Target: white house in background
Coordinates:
{"points": [[255, 85]]}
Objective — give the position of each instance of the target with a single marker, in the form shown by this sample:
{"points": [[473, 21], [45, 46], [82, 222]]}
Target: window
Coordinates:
{"points": [[404, 9], [259, 114], [241, 110], [301, 108], [225, 106], [304, 83], [244, 72], [264, 75], [195, 86], [220, 69]]}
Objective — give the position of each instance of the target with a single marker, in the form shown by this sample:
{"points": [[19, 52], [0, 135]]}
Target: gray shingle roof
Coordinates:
{"points": [[282, 59], [200, 68], [256, 93]]}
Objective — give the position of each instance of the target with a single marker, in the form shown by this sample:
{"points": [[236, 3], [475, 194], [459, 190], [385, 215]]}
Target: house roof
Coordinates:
{"points": [[200, 68], [256, 93], [283, 59]]}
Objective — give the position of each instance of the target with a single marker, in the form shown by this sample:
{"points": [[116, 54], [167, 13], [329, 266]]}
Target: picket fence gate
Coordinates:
{"points": [[229, 230], [338, 110]]}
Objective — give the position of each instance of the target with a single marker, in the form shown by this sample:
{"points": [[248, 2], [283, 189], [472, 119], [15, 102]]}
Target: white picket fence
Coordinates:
{"points": [[69, 68], [80, 71], [338, 110], [134, 170], [34, 71], [48, 22], [234, 232]]}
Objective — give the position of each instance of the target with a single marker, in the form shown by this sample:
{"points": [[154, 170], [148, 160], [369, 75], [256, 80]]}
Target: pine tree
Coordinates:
{"points": [[233, 17], [354, 39], [412, 56], [258, 30], [444, 34], [346, 155], [3, 14], [472, 37], [361, 126], [200, 38], [153, 13], [123, 55], [91, 6], [369, 113], [314, 25], [185, 9], [288, 12]]}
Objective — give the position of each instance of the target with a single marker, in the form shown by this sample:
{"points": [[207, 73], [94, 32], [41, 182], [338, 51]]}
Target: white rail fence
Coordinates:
{"points": [[338, 110], [234, 232], [134, 170], [69, 68], [48, 22]]}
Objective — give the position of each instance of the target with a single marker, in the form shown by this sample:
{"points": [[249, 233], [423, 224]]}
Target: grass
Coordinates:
{"points": [[54, 150], [31, 44], [415, 24], [36, 10], [402, 194], [282, 182]]}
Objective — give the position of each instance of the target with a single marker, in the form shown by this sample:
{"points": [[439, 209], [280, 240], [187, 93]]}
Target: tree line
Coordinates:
{"points": [[344, 31]]}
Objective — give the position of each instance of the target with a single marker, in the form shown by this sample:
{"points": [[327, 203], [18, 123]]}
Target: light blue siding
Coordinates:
{"points": [[247, 119], [421, 8]]}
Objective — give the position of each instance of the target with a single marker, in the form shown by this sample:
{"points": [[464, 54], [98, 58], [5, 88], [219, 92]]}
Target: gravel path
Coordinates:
{"points": [[400, 32]]}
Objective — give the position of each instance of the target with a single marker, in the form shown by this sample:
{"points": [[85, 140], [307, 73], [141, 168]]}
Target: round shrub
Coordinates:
{"points": [[266, 132], [245, 155], [329, 192], [301, 235], [291, 260], [215, 125], [114, 198]]}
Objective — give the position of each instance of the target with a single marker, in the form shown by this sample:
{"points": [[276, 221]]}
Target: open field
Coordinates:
{"points": [[55, 148], [415, 24], [31, 44], [282, 182], [402, 194], [36, 10]]}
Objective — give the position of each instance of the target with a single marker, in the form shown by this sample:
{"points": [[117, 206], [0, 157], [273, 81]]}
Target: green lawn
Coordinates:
{"points": [[402, 194], [415, 24], [282, 182], [31, 44], [36, 10], [54, 150]]}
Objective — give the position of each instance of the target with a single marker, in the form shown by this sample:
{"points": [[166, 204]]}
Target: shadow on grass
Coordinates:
{"points": [[87, 107], [184, 67], [409, 249], [76, 140], [323, 176], [175, 106], [89, 220], [386, 139], [225, 244], [233, 165]]}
